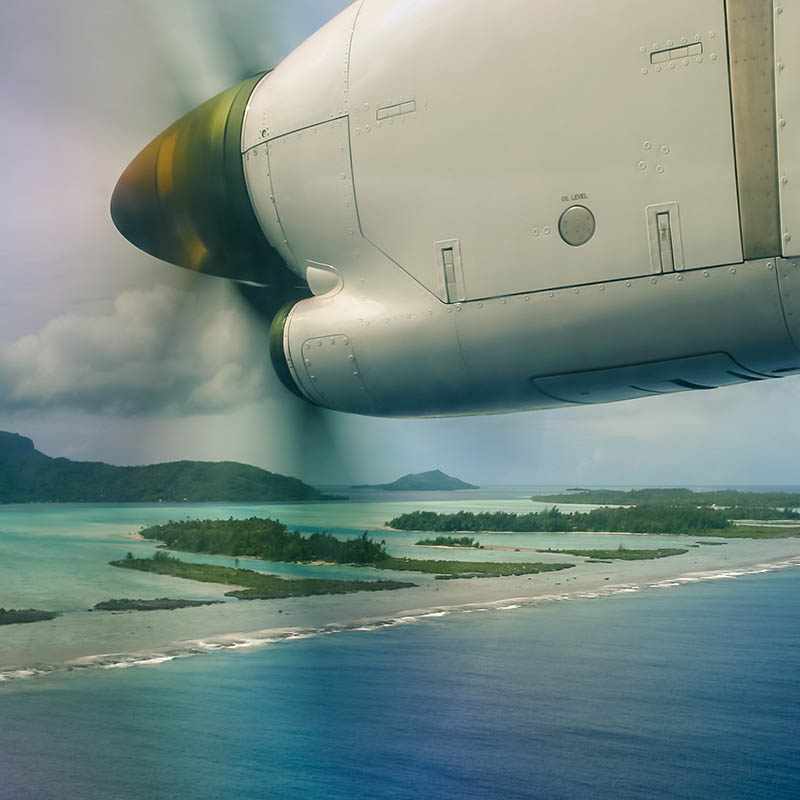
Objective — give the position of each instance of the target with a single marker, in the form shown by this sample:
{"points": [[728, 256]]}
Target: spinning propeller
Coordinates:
{"points": [[183, 199]]}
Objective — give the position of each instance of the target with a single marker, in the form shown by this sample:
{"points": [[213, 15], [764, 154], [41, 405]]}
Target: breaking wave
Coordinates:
{"points": [[263, 638]]}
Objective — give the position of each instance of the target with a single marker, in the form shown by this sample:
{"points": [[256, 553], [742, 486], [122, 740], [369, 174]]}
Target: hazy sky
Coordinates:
{"points": [[106, 353]]}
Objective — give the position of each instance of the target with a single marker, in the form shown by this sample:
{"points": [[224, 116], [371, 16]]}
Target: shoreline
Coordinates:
{"points": [[235, 625], [506, 547], [532, 533]]}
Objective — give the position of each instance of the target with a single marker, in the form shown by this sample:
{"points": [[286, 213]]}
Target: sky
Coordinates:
{"points": [[108, 354]]}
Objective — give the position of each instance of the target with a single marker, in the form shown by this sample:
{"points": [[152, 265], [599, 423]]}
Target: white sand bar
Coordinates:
{"points": [[78, 640]]}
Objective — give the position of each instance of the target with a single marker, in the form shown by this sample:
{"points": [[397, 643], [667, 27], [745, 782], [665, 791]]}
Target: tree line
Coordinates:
{"points": [[639, 519], [264, 538], [738, 504]]}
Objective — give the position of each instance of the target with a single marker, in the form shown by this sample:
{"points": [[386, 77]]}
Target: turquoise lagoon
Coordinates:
{"points": [[680, 685]]}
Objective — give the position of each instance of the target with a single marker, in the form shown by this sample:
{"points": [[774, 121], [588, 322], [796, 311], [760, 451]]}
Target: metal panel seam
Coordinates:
{"points": [[275, 203], [361, 229], [350, 50], [297, 130]]}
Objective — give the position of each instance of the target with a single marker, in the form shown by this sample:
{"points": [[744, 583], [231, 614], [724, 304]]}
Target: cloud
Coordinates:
{"points": [[160, 350]]}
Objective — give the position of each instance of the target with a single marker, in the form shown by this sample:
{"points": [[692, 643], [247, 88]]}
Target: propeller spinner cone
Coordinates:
{"points": [[184, 199]]}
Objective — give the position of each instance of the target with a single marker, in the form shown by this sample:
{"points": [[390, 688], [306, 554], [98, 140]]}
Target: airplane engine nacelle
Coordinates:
{"points": [[487, 232], [527, 204]]}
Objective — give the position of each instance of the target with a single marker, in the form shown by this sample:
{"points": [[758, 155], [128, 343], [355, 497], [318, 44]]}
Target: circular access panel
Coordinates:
{"points": [[576, 225]]}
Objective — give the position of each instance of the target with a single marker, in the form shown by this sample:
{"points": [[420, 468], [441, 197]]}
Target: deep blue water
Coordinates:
{"points": [[692, 692]]}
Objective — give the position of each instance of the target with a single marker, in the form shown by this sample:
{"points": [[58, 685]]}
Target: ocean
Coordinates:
{"points": [[677, 690]]}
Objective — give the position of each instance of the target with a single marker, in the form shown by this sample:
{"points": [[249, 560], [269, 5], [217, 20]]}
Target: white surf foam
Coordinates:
{"points": [[237, 641]]}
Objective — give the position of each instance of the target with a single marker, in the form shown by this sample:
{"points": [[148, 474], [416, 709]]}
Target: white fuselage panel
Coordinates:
{"points": [[484, 122]]}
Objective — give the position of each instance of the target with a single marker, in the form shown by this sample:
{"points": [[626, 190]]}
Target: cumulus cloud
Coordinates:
{"points": [[159, 350]]}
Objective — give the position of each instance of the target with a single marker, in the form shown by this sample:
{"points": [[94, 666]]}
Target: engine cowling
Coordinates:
{"points": [[435, 212], [482, 233]]}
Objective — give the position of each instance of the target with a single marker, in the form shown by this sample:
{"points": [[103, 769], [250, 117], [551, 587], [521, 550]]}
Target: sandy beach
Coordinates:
{"points": [[127, 639]]}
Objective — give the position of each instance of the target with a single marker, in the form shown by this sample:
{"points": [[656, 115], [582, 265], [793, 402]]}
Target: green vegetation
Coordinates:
{"points": [[13, 616], [27, 476], [266, 539], [469, 569], [761, 513], [621, 553], [738, 505], [451, 541], [269, 540], [751, 532], [258, 585], [159, 604], [643, 519]]}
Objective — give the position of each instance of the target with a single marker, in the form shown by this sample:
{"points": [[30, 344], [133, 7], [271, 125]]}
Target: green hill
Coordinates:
{"points": [[28, 476], [433, 481]]}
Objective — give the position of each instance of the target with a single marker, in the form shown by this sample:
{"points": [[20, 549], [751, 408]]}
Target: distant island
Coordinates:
{"points": [[263, 538], [451, 541], [738, 504], [621, 553], [432, 481], [257, 585], [29, 476], [159, 604], [629, 520], [697, 521], [14, 616]]}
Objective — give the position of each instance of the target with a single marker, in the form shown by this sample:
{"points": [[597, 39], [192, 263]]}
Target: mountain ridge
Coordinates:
{"points": [[29, 476]]}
